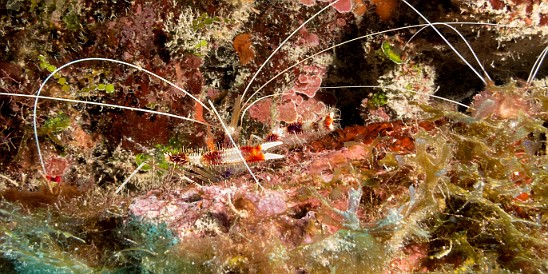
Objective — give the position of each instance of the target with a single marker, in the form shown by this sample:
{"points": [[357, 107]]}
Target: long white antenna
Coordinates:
{"points": [[281, 45], [106, 105], [537, 65], [35, 109], [129, 178], [350, 41], [446, 41], [463, 39], [98, 104], [401, 89]]}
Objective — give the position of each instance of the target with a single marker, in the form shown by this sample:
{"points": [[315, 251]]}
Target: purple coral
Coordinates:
{"points": [[308, 38], [293, 106], [309, 81]]}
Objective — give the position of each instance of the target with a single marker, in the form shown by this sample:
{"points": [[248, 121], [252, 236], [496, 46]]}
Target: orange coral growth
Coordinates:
{"points": [[359, 8], [242, 45], [384, 8], [398, 136], [199, 116], [522, 197]]}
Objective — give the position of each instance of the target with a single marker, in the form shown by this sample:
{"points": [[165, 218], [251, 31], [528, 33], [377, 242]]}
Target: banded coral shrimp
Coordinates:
{"points": [[288, 230]]}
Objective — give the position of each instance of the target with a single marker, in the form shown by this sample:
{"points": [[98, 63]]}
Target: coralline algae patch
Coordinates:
{"points": [[210, 210]]}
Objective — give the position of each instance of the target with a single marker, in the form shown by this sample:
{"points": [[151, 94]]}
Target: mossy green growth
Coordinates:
{"points": [[143, 158], [391, 53], [378, 99], [44, 64], [62, 81], [204, 20], [34, 4], [433, 154], [108, 88], [479, 177], [506, 240], [72, 21], [201, 44], [158, 158], [201, 24], [56, 124]]}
